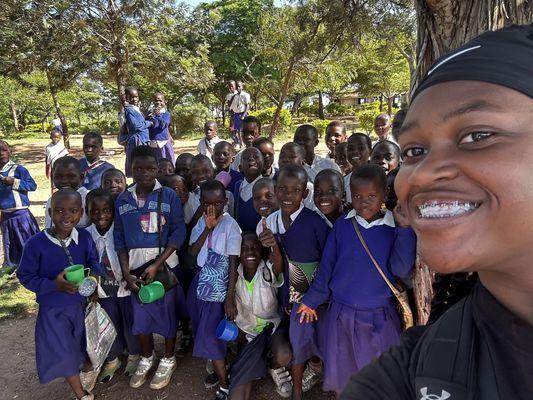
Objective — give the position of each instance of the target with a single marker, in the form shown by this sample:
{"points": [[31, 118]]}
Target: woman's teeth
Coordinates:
{"points": [[446, 209]]}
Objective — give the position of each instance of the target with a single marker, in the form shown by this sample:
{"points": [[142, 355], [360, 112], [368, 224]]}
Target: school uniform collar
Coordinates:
{"points": [[388, 219], [136, 108], [8, 166], [73, 237], [293, 217], [246, 188], [92, 229], [94, 164], [240, 269], [132, 188]]}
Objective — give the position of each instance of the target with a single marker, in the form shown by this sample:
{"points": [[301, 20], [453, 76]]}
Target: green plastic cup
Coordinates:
{"points": [[152, 292], [76, 273]]}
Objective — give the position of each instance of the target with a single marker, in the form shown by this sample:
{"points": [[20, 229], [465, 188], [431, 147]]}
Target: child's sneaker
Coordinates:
{"points": [[310, 378], [222, 394], [283, 381], [88, 379], [131, 365], [164, 373], [144, 367], [109, 369], [88, 396], [211, 380]]}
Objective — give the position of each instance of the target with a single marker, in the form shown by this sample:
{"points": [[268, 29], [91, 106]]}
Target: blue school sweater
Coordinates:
{"points": [[347, 275], [92, 174], [42, 260], [136, 123], [245, 213], [129, 234], [159, 131], [15, 197], [236, 176]]}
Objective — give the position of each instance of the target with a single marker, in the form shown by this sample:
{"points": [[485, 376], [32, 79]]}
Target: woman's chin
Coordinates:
{"points": [[445, 259]]}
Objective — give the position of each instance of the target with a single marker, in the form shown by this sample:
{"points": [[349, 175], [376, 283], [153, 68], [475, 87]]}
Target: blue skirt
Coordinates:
{"points": [[304, 337], [157, 317], [60, 341], [356, 337], [17, 227], [133, 142], [120, 311], [205, 317]]}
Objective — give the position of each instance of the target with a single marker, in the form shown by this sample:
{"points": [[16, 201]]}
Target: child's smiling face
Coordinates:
{"points": [[267, 150], [251, 163], [201, 171], [386, 155], [223, 155], [328, 193], [334, 136], [55, 137], [265, 200], [114, 182], [101, 213], [65, 211], [66, 176], [291, 190], [251, 251], [357, 151], [164, 168], [465, 184]]}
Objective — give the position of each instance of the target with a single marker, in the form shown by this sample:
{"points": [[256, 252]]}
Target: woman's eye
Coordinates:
{"points": [[476, 137], [413, 152]]}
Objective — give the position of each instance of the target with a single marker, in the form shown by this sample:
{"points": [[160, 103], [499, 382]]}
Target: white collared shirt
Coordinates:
{"points": [[206, 147], [239, 102], [225, 238], [235, 165], [245, 191], [275, 221], [72, 237], [347, 187], [388, 219], [319, 164], [84, 221], [107, 243]]}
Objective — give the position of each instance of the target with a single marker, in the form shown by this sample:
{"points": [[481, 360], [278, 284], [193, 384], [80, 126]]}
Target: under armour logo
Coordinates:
{"points": [[425, 396]]}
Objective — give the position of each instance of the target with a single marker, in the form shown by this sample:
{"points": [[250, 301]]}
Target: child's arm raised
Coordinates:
{"points": [[211, 220], [22, 180], [267, 239]]}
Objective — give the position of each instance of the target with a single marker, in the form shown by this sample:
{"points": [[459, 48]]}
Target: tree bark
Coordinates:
{"points": [[282, 96], [295, 109], [64, 126], [444, 25], [14, 115], [320, 106]]}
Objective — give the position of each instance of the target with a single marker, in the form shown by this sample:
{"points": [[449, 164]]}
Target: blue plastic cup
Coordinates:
{"points": [[227, 330]]}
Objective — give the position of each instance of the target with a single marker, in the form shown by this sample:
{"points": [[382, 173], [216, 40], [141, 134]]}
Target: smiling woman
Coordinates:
{"points": [[465, 187]]}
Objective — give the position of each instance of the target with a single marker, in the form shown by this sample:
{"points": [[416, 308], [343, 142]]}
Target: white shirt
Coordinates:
{"points": [[55, 151], [347, 188], [107, 243], [245, 190], [84, 221], [206, 147], [237, 162], [309, 202], [275, 221], [239, 102], [388, 219], [225, 238], [189, 208], [318, 165], [73, 237], [263, 302]]}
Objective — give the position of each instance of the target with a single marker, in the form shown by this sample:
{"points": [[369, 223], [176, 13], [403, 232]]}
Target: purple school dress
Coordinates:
{"points": [[159, 131]]}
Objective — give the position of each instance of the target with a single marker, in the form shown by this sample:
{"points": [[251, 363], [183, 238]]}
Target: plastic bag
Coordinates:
{"points": [[99, 332]]}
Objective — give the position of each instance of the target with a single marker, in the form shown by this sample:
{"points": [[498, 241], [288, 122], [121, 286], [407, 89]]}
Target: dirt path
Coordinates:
{"points": [[18, 376]]}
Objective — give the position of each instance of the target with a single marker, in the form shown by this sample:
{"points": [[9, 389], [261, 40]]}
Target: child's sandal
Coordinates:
{"points": [[109, 369]]}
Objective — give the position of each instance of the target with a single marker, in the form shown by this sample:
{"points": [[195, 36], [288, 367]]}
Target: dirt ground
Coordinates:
{"points": [[18, 375]]}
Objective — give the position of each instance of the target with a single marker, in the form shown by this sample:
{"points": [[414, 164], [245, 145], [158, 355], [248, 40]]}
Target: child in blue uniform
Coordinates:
{"points": [[216, 241], [358, 153], [252, 167], [251, 130], [362, 319], [160, 138], [223, 157], [301, 235], [60, 326], [114, 181], [329, 195], [137, 242], [264, 196], [67, 175], [137, 126], [16, 221], [92, 166], [113, 295]]}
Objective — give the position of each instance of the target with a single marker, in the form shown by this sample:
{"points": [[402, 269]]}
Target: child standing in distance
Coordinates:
{"points": [[341, 158], [239, 106], [335, 135], [223, 157], [383, 127], [266, 147], [137, 125], [251, 130], [259, 320], [54, 150], [164, 168], [251, 167], [362, 319], [232, 87], [386, 154], [92, 166], [60, 325], [206, 145], [183, 167], [160, 138], [17, 223], [114, 181], [143, 235], [329, 195], [294, 224], [66, 175], [264, 197], [358, 153], [293, 154], [216, 242], [113, 295], [307, 137]]}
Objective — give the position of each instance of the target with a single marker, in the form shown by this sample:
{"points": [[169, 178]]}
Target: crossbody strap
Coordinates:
{"points": [[63, 246], [159, 195], [393, 288]]}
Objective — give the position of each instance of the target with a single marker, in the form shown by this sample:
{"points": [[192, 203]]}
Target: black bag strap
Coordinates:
{"points": [[63, 245], [159, 233]]}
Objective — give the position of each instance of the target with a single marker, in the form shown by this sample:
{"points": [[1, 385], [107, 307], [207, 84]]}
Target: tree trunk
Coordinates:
{"points": [[444, 25], [389, 105], [380, 103], [223, 104], [14, 115], [281, 99], [295, 109], [320, 106], [64, 126]]}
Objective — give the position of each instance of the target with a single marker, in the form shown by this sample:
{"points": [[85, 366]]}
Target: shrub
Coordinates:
{"points": [[190, 118], [366, 113], [336, 109], [320, 125], [266, 116]]}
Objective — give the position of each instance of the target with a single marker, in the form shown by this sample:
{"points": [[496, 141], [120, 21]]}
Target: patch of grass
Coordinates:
{"points": [[15, 300]]}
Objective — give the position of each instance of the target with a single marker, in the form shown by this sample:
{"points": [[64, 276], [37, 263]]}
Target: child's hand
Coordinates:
{"points": [[306, 314], [63, 285], [211, 220], [266, 237], [230, 308], [132, 281], [7, 180], [400, 217], [149, 273]]}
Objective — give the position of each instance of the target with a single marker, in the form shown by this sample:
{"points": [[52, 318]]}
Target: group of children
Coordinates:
{"points": [[272, 246]]}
